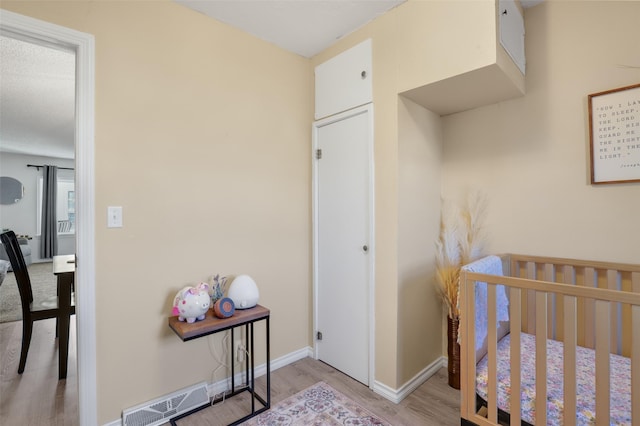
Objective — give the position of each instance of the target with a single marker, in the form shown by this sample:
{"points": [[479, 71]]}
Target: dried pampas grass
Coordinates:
{"points": [[472, 238], [461, 241]]}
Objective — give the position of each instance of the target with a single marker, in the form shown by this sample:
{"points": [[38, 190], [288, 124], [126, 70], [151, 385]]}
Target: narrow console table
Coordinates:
{"points": [[211, 325]]}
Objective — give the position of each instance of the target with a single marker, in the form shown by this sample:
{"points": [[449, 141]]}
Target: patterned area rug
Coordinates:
{"points": [[318, 405], [43, 284]]}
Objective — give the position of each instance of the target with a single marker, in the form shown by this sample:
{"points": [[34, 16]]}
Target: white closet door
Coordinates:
{"points": [[343, 239]]}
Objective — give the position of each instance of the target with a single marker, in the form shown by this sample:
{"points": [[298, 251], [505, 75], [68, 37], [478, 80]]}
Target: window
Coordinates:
{"points": [[66, 206]]}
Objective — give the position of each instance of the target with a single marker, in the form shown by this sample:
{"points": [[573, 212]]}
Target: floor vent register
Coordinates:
{"points": [[161, 410]]}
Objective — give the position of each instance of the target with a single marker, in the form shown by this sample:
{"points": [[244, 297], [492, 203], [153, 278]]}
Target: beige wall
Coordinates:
{"points": [[440, 39], [531, 155], [419, 304], [203, 137]]}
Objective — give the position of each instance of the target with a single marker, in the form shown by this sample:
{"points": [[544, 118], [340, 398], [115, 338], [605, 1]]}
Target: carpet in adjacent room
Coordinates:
{"points": [[43, 285]]}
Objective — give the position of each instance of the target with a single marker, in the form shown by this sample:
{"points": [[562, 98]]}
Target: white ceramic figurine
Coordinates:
{"points": [[192, 303]]}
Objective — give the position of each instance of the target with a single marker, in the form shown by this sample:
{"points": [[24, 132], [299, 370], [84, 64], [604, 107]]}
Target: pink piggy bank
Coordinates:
{"points": [[192, 303]]}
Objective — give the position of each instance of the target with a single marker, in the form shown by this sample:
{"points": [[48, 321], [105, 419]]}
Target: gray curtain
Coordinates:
{"points": [[49, 225]]}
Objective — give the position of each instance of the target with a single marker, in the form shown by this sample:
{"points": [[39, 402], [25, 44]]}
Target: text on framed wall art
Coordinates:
{"points": [[614, 131]]}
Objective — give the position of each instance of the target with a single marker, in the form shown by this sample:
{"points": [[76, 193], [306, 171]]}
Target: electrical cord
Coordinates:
{"points": [[221, 363]]}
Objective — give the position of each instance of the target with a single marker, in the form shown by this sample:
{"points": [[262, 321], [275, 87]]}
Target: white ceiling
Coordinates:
{"points": [[37, 99], [305, 27], [37, 82]]}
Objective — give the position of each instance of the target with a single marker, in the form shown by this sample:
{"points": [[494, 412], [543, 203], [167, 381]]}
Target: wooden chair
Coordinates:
{"points": [[32, 309]]}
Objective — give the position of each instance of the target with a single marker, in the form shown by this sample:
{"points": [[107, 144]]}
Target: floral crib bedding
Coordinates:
{"points": [[620, 391]]}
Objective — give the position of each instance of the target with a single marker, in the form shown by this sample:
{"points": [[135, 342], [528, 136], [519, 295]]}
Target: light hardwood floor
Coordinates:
{"points": [[37, 397]]}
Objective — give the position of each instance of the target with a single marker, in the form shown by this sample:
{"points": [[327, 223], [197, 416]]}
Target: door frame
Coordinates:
{"points": [[365, 109], [16, 25]]}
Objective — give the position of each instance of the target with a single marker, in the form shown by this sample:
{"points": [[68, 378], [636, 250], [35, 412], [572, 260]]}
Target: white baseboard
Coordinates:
{"points": [[397, 395], [260, 370]]}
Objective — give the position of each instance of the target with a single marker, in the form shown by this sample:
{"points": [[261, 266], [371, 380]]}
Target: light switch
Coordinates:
{"points": [[114, 217]]}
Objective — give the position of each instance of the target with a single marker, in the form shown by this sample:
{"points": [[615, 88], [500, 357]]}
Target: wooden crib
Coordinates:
{"points": [[563, 303]]}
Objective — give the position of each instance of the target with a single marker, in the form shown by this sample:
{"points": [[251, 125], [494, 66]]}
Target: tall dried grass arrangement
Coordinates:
{"points": [[461, 241]]}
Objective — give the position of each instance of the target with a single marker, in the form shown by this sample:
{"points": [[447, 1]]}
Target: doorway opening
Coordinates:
{"points": [[21, 27]]}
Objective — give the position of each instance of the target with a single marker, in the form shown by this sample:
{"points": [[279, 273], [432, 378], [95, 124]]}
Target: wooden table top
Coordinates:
{"points": [[212, 324]]}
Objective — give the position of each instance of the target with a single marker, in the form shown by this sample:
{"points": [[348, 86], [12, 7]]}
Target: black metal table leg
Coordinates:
{"points": [[233, 374], [268, 366]]}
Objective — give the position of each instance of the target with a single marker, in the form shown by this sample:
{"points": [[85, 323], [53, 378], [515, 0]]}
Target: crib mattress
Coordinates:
{"points": [[585, 382]]}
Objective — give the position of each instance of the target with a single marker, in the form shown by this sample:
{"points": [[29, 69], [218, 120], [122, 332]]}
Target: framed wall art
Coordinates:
{"points": [[614, 135]]}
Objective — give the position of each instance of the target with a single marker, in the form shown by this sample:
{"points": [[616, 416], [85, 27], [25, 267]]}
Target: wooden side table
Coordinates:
{"points": [[211, 325]]}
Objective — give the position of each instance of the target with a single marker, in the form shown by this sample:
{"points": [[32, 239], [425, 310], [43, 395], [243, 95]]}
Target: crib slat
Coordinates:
{"points": [[515, 330], [568, 277], [635, 353], [635, 365], [549, 275], [626, 336], [568, 274], [570, 341], [492, 349], [603, 327], [468, 369], [462, 332], [590, 280], [541, 358], [531, 301], [612, 284]]}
